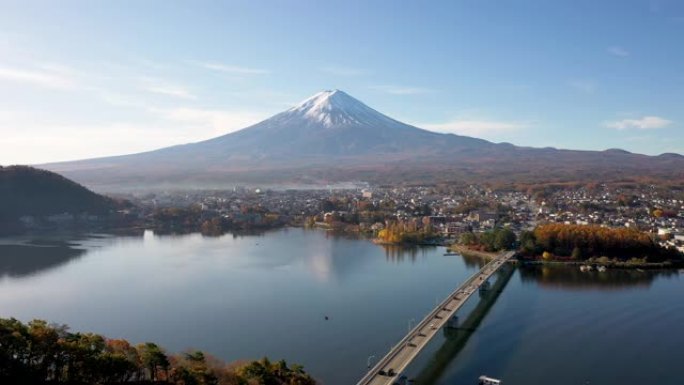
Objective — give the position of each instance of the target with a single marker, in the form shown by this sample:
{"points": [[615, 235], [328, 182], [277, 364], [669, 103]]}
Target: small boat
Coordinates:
{"points": [[585, 268], [601, 269], [484, 380], [449, 253]]}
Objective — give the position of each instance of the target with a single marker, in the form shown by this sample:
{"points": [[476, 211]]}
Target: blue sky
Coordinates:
{"points": [[82, 79]]}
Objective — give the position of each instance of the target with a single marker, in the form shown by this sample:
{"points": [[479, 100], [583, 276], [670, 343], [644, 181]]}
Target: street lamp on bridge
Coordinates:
{"points": [[368, 362]]}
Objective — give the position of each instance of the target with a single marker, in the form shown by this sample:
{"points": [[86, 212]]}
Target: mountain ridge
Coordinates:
{"points": [[332, 136]]}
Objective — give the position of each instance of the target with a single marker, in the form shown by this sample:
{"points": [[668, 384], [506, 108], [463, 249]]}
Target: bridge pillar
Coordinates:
{"points": [[452, 322], [484, 287]]}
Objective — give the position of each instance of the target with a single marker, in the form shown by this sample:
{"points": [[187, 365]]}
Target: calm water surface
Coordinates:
{"points": [[557, 325], [254, 296]]}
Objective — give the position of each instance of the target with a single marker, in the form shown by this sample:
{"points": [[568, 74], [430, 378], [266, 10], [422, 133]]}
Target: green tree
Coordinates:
{"points": [[40, 353], [528, 242], [576, 253], [153, 358], [467, 239], [504, 239], [487, 240]]}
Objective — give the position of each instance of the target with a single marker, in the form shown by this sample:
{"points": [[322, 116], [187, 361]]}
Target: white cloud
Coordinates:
{"points": [[477, 128], [644, 123], [236, 70], [343, 71], [41, 143], [85, 125], [47, 76], [401, 90], [618, 51], [30, 140], [169, 90], [158, 86], [212, 122], [587, 86]]}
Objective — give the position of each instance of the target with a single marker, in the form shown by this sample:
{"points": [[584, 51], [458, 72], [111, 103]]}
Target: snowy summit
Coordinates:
{"points": [[333, 135], [336, 108]]}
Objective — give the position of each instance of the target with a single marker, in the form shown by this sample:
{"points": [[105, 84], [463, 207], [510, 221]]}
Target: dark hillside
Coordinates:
{"points": [[29, 191]]}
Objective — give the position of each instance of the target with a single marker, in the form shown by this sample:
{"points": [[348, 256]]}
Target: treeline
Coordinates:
{"points": [[581, 242], [190, 219], [501, 238], [40, 353], [30, 191], [406, 232]]}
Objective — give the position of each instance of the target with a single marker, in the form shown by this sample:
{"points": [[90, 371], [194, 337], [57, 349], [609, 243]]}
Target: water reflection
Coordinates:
{"points": [[457, 338], [474, 262], [21, 260], [571, 278], [237, 296], [398, 253]]}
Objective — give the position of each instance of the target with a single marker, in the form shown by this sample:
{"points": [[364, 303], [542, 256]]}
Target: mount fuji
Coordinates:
{"points": [[333, 137], [328, 124]]}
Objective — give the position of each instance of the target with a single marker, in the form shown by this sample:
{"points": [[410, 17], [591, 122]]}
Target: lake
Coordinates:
{"points": [[244, 297]]}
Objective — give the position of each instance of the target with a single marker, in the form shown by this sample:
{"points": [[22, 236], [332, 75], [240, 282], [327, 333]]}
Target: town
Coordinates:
{"points": [[445, 211]]}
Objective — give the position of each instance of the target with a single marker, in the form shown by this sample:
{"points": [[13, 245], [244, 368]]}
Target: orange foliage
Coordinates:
{"points": [[562, 239]]}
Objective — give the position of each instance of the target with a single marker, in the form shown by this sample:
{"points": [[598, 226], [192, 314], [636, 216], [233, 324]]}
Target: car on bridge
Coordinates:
{"points": [[484, 380]]}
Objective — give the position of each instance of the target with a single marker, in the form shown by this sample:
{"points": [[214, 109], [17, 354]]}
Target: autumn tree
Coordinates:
{"points": [[42, 353], [153, 359], [581, 241]]}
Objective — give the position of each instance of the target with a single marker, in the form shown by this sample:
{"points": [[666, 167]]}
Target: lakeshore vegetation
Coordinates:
{"points": [[407, 233], [42, 353], [576, 243], [583, 242], [498, 239]]}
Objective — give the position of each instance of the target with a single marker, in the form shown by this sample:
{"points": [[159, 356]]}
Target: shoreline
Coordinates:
{"points": [[667, 265], [467, 252], [406, 244]]}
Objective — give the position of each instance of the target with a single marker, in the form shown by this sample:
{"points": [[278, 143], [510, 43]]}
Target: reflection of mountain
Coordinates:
{"points": [[338, 256], [24, 260], [334, 256], [571, 278], [341, 255]]}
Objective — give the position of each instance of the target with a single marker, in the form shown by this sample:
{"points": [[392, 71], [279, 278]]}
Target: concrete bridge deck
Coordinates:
{"points": [[401, 355]]}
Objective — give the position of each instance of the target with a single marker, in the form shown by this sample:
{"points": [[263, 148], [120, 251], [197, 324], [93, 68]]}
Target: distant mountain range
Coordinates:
{"points": [[333, 137]]}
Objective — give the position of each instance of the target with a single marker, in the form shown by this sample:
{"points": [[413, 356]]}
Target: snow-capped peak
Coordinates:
{"points": [[336, 108]]}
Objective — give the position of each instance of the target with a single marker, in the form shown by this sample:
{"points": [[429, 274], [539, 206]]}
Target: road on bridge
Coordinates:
{"points": [[388, 369]]}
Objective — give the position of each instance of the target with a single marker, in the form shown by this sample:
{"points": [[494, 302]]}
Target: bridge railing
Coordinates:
{"points": [[430, 316]]}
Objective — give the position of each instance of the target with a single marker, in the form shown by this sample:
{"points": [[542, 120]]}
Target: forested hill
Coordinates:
{"points": [[29, 191]]}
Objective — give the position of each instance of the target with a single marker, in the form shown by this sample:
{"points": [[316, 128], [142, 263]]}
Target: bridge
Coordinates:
{"points": [[389, 368]]}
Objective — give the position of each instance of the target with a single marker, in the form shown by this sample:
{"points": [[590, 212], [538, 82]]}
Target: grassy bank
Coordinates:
{"points": [[468, 252]]}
